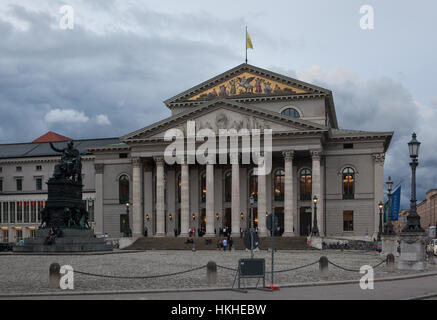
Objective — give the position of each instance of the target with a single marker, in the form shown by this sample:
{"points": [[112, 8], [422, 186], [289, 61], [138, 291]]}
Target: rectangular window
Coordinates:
{"points": [[20, 211], [26, 211], [19, 169], [5, 212], [1, 169], [122, 155], [32, 233], [348, 146], [38, 184], [19, 184], [348, 221], [38, 168], [33, 211], [12, 212], [1, 185]]}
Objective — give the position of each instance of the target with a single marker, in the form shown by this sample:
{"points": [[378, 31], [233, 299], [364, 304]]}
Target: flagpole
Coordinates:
{"points": [[246, 44]]}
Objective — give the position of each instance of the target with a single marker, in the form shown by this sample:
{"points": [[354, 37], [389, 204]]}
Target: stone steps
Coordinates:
{"points": [[178, 243]]}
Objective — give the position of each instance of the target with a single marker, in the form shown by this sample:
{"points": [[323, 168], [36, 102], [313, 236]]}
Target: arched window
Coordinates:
{"points": [[203, 187], [305, 184], [348, 183], [291, 112], [279, 185], [253, 185], [123, 189], [228, 186], [179, 188]]}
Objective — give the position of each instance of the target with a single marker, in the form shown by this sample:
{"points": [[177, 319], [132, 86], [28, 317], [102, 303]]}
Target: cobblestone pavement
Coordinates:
{"points": [[25, 274]]}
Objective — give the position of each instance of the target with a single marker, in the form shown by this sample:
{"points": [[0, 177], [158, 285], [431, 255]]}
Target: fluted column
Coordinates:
{"points": [[98, 204], [378, 160], [137, 210], [288, 194], [262, 204], [316, 188], [185, 199], [209, 199], [235, 195], [160, 204]]}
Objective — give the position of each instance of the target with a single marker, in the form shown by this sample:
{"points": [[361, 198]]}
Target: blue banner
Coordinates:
{"points": [[396, 204]]}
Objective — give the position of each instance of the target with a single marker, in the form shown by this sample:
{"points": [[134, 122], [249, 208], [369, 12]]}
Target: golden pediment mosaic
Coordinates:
{"points": [[247, 84]]}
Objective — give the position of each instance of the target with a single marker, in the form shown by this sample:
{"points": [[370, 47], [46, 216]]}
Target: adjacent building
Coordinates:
{"points": [[427, 210]]}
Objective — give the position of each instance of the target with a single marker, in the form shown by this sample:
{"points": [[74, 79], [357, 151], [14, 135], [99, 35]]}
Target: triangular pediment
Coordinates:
{"points": [[246, 81], [225, 114]]}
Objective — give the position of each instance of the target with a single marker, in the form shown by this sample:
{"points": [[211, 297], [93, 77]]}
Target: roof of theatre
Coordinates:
{"points": [[40, 147]]}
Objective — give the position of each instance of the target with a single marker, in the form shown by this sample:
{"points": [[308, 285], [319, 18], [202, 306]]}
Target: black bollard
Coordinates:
{"points": [[54, 275], [323, 266], [390, 262], [211, 273]]}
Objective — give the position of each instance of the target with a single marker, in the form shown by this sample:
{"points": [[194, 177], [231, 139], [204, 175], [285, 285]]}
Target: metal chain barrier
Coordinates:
{"points": [[139, 277], [295, 268], [354, 270]]}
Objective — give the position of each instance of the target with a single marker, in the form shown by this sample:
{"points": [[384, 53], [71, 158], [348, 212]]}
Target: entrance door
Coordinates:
{"points": [[124, 224], [227, 221], [279, 213], [305, 221]]}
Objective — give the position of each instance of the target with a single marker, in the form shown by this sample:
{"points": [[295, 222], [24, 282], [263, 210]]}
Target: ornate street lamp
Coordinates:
{"points": [[127, 230], [389, 230], [381, 207], [413, 219], [315, 231]]}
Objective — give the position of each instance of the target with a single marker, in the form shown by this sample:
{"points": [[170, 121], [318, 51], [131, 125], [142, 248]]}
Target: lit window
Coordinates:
{"points": [[253, 186], [348, 221], [279, 185], [203, 187], [305, 184], [291, 112], [348, 183]]}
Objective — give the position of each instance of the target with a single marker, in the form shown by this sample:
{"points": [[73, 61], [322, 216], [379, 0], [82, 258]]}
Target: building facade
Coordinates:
{"points": [[427, 210], [24, 170], [128, 182], [311, 157]]}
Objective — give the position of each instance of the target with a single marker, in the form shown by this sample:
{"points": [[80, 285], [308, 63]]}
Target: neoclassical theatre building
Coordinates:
{"points": [[128, 182], [311, 157]]}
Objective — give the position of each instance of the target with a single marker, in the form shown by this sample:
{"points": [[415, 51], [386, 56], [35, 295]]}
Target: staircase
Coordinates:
{"points": [[179, 243]]}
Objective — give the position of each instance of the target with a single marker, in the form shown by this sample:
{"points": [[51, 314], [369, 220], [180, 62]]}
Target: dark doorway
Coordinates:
{"points": [[124, 224], [279, 213], [203, 220], [305, 221], [227, 222], [179, 221]]}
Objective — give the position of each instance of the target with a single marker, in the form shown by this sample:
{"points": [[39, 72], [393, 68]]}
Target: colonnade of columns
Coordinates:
{"points": [[289, 200]]}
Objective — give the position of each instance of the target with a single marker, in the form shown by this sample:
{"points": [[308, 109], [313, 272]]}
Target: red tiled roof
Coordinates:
{"points": [[51, 137]]}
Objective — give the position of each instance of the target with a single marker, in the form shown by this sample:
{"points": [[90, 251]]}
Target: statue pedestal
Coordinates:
{"points": [[389, 245], [412, 251], [72, 240]]}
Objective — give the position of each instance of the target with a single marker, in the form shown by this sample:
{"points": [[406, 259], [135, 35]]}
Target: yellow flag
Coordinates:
{"points": [[248, 41]]}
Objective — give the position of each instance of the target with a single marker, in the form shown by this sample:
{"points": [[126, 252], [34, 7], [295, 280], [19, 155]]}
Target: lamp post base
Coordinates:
{"points": [[388, 244], [412, 251]]}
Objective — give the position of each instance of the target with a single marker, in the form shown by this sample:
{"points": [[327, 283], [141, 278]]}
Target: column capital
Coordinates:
{"points": [[159, 160], [288, 155], [234, 157], [379, 158], [316, 154], [98, 167], [136, 161]]}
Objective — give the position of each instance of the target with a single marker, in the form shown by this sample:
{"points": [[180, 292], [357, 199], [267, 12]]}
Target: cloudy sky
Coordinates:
{"points": [[109, 75]]}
